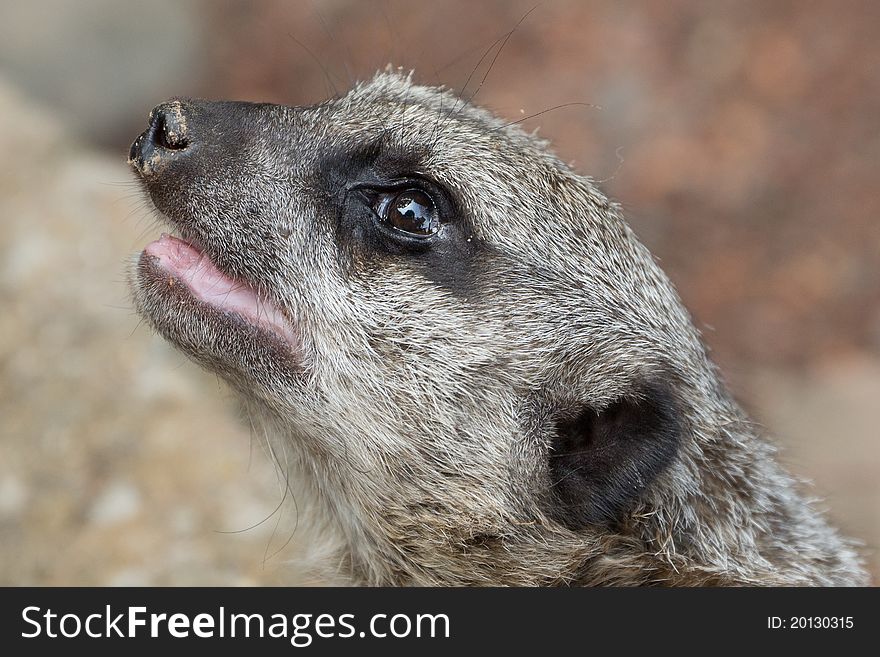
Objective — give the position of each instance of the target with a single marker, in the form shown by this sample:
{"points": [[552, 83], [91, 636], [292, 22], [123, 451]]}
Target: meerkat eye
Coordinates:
{"points": [[411, 211]]}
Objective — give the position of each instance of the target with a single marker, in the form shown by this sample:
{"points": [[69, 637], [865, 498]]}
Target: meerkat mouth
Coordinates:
{"points": [[187, 265]]}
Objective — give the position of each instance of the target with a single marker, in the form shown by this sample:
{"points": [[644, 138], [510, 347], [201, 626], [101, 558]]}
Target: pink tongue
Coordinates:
{"points": [[207, 283]]}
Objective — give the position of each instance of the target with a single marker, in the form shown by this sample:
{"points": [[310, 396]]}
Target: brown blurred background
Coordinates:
{"points": [[742, 138]]}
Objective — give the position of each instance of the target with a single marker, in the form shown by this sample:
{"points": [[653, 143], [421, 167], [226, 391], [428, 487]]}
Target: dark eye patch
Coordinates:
{"points": [[439, 243]]}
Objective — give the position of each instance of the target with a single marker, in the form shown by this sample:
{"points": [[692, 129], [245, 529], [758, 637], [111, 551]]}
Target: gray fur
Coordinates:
{"points": [[415, 416]]}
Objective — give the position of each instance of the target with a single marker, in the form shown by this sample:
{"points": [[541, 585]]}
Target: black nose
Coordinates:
{"points": [[166, 136]]}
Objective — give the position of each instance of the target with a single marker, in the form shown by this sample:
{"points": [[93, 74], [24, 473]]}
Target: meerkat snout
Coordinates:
{"points": [[481, 375]]}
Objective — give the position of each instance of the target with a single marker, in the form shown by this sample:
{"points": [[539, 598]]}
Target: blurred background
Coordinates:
{"points": [[743, 139]]}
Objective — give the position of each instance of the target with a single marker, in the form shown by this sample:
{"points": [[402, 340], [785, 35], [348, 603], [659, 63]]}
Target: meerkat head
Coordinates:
{"points": [[483, 374]]}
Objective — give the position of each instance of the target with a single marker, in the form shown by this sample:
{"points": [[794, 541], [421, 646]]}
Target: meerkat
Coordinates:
{"points": [[479, 374]]}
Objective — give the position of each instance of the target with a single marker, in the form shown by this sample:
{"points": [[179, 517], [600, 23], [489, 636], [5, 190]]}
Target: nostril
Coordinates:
{"points": [[166, 138], [169, 129]]}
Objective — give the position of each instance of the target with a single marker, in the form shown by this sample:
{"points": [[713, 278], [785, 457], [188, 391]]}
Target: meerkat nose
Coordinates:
{"points": [[167, 135]]}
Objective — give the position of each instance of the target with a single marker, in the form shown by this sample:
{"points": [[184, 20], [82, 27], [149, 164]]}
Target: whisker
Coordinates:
{"points": [[320, 64], [498, 53], [549, 109]]}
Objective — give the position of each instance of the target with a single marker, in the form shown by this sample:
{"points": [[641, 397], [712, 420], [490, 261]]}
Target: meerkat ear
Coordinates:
{"points": [[601, 461]]}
